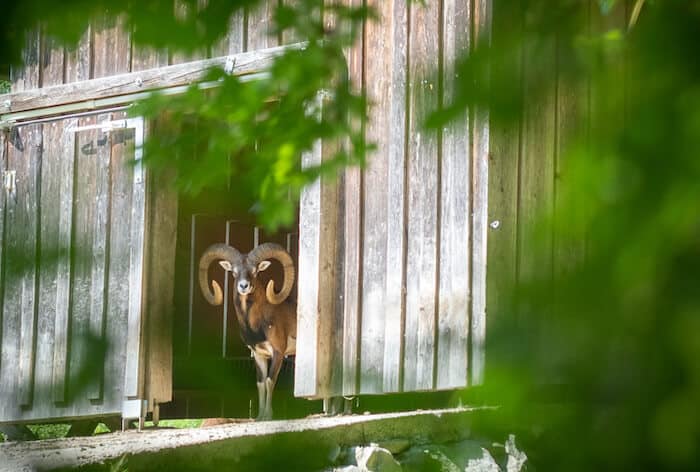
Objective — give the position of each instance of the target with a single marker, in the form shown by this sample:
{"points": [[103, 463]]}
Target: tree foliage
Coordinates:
{"points": [[617, 331], [243, 135]]}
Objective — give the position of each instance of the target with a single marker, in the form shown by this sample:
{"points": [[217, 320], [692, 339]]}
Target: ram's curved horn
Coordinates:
{"points": [[213, 253], [275, 251]]}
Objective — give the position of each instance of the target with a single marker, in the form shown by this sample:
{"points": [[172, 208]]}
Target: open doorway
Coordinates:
{"points": [[213, 371]]}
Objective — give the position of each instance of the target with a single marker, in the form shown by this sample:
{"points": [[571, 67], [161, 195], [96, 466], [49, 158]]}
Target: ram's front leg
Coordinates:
{"points": [[275, 366], [261, 374]]}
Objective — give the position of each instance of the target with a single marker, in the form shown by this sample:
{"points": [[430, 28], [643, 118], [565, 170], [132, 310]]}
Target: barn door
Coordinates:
{"points": [[121, 140], [72, 242]]}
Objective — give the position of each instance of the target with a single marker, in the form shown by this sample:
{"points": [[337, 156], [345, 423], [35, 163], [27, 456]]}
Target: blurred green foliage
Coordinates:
{"points": [[248, 136], [599, 346], [618, 331]]}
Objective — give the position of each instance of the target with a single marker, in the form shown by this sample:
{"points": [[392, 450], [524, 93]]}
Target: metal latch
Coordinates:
{"points": [[104, 126], [9, 182]]}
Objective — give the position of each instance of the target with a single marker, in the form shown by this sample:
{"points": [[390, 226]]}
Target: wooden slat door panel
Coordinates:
{"points": [[72, 263]]}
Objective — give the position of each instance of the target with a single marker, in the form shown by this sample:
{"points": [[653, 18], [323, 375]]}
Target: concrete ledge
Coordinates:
{"points": [[304, 444]]}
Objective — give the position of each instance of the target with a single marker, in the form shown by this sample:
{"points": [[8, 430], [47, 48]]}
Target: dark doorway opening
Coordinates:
{"points": [[213, 371]]}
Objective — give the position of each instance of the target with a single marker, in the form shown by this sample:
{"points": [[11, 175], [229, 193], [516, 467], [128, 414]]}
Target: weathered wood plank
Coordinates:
{"points": [[12, 289], [383, 232], [351, 285], [99, 287], [536, 181], [259, 26], [455, 226], [121, 84], [328, 236], [183, 10], [5, 201], [306, 382], [122, 143], [572, 113], [64, 266], [19, 307], [480, 140], [160, 273], [27, 76], [22, 236], [394, 98], [111, 47], [134, 341], [51, 62], [3, 167], [234, 40], [50, 211], [352, 244], [503, 190], [375, 202], [423, 198], [78, 65], [146, 57], [84, 219]]}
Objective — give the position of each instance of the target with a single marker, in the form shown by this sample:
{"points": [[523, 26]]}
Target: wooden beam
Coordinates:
{"points": [[134, 82]]}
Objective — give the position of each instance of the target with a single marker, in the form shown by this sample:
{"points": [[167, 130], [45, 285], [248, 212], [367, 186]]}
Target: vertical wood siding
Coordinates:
{"points": [[84, 196], [528, 172], [67, 257], [409, 260]]}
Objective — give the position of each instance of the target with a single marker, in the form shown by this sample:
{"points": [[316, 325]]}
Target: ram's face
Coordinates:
{"points": [[244, 275]]}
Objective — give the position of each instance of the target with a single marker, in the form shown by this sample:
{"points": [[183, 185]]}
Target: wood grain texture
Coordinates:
{"points": [[23, 157], [306, 384], [28, 75], [259, 26], [100, 255], [3, 205], [161, 228], [234, 40], [536, 183], [185, 10], [21, 243], [64, 267], [352, 245], [395, 96], [480, 140], [328, 274], [383, 245], [134, 338], [6, 199], [156, 78], [50, 213], [111, 48], [423, 198], [118, 275], [51, 62], [503, 193], [88, 147], [455, 227], [78, 60]]}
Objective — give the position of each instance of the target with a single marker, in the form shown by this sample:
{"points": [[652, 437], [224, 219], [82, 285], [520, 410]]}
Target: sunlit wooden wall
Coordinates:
{"points": [[406, 273]]}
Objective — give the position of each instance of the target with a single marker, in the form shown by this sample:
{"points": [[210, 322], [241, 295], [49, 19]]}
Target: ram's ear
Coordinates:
{"points": [[226, 265], [263, 265]]}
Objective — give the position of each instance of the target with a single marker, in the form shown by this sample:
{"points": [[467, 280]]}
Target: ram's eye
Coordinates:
{"points": [[263, 265]]}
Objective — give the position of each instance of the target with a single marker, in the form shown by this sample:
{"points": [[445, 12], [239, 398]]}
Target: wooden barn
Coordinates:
{"points": [[392, 259]]}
